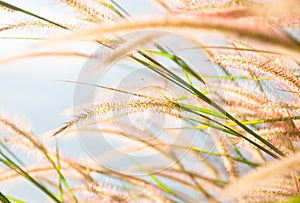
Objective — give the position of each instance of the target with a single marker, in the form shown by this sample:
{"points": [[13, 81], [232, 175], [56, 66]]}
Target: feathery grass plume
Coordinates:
{"points": [[228, 162], [38, 171], [271, 170], [157, 105], [246, 103], [236, 95], [283, 65], [89, 12], [17, 131], [271, 69], [236, 91], [38, 25], [200, 6], [30, 25], [275, 190], [103, 192], [286, 131], [281, 135]]}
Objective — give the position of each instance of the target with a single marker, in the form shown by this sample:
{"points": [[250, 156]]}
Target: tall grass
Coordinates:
{"points": [[249, 113]]}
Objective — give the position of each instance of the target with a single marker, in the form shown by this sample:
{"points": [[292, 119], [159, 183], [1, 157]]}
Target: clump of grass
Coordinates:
{"points": [[249, 115]]}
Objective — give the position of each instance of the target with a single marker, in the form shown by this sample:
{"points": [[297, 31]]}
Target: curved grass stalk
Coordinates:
{"points": [[198, 23], [274, 169]]}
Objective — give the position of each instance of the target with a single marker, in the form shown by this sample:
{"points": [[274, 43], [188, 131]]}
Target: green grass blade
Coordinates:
{"points": [[111, 7], [179, 81], [9, 163], [155, 69], [120, 7], [253, 122], [10, 6], [12, 154], [245, 161], [61, 176], [179, 61], [230, 77], [3, 198], [15, 200], [204, 110], [233, 132], [219, 108], [58, 168]]}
